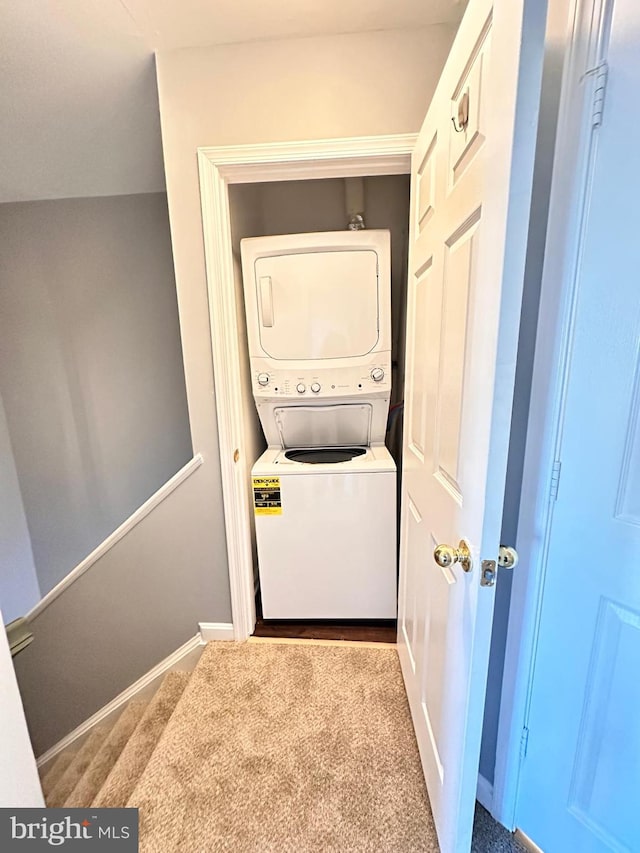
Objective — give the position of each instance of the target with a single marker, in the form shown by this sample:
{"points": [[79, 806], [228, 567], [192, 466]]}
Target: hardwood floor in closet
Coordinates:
{"points": [[380, 631]]}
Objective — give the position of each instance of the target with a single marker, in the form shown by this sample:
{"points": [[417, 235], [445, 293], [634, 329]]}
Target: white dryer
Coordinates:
{"points": [[319, 328], [318, 310]]}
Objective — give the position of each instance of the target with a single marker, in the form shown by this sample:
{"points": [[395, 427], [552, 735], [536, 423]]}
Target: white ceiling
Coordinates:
{"points": [[78, 100], [169, 24]]}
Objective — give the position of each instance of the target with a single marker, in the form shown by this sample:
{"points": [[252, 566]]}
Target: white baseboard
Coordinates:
{"points": [[526, 842], [484, 793], [210, 631], [183, 659]]}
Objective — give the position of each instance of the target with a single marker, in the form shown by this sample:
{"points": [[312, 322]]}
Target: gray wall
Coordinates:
{"points": [[555, 44], [139, 603], [90, 366], [92, 375], [18, 581]]}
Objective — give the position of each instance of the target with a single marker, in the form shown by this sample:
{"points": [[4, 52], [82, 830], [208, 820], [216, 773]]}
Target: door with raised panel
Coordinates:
{"points": [[471, 184], [580, 779]]}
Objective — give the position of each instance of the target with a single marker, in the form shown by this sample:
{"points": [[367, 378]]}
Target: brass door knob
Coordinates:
{"points": [[445, 556]]}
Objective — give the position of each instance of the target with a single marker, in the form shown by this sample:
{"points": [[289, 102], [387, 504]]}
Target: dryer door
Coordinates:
{"points": [[318, 305]]}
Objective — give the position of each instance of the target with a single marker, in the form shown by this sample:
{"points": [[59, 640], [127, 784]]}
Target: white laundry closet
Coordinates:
{"points": [[297, 207]]}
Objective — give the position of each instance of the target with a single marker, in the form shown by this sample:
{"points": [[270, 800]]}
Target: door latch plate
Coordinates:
{"points": [[488, 573]]}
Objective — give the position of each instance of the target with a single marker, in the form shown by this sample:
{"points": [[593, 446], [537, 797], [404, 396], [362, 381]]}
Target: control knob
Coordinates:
{"points": [[263, 379], [315, 387], [377, 374], [301, 388]]}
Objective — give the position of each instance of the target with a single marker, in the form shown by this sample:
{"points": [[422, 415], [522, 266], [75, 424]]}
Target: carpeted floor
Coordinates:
{"points": [[278, 748], [490, 837], [275, 747]]}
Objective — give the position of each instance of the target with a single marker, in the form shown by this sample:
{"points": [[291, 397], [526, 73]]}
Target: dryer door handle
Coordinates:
{"points": [[266, 300]]}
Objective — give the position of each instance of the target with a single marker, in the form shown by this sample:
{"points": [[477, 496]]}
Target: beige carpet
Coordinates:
{"points": [[102, 763], [77, 768], [56, 773], [135, 756], [278, 748]]}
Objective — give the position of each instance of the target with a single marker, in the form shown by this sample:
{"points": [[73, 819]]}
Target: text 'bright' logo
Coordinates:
{"points": [[59, 831], [55, 833]]}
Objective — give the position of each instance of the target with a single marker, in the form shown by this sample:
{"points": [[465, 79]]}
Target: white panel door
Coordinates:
{"points": [[580, 779], [19, 782], [471, 184]]}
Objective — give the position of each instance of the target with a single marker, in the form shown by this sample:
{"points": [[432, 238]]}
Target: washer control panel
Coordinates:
{"points": [[273, 382]]}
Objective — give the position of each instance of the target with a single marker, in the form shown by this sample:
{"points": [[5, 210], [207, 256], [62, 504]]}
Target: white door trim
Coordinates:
{"points": [[574, 155], [219, 167]]}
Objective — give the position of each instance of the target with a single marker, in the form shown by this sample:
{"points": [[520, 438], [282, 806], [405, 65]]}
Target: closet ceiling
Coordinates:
{"points": [[78, 101]]}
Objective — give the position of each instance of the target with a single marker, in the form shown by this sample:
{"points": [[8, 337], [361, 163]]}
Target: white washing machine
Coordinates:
{"points": [[326, 533], [318, 312]]}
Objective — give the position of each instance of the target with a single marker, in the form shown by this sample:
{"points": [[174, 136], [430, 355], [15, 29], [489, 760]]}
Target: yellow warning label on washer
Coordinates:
{"points": [[266, 496]]}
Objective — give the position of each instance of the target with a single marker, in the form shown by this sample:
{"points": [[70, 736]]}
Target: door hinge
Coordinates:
{"points": [[555, 480], [600, 73], [524, 742]]}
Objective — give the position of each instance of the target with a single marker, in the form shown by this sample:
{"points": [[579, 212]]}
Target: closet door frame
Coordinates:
{"points": [[219, 167]]}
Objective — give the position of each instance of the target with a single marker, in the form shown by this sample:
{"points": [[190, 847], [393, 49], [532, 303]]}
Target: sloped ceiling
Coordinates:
{"points": [[78, 100], [197, 23]]}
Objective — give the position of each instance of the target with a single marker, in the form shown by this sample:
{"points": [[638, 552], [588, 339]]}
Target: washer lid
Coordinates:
{"points": [[325, 426], [318, 304]]}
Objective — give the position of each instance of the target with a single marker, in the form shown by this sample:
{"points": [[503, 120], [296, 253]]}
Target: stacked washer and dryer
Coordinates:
{"points": [[318, 310]]}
